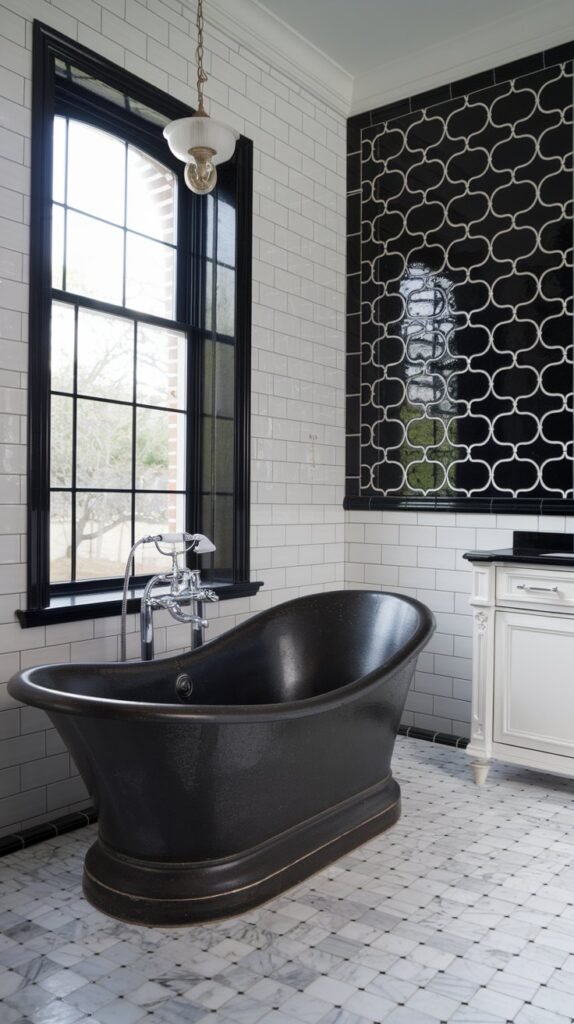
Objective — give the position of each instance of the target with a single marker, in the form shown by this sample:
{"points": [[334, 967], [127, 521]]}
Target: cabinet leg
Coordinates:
{"points": [[479, 770]]}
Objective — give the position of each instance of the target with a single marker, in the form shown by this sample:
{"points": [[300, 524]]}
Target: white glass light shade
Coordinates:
{"points": [[189, 133]]}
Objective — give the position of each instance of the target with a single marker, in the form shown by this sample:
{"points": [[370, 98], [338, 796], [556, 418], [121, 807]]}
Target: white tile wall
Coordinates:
{"points": [[420, 554], [298, 526], [298, 347]]}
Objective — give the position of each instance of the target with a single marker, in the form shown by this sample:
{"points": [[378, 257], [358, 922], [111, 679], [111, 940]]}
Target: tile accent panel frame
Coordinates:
{"points": [[356, 126]]}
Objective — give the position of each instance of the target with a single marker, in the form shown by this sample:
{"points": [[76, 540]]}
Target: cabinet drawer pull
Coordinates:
{"points": [[546, 590]]}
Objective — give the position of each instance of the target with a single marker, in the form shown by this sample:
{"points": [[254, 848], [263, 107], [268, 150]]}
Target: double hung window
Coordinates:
{"points": [[140, 295]]}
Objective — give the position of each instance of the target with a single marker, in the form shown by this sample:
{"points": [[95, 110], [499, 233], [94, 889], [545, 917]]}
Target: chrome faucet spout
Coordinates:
{"points": [[185, 590]]}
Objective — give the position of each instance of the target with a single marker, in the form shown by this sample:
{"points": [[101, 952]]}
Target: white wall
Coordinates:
{"points": [[298, 347], [420, 554], [298, 524]]}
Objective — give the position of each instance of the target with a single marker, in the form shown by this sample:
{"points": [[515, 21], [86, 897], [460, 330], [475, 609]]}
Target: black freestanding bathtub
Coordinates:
{"points": [[224, 776]]}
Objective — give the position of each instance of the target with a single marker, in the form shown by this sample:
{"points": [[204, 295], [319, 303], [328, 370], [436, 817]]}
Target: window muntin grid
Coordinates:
{"points": [[113, 221], [118, 357]]}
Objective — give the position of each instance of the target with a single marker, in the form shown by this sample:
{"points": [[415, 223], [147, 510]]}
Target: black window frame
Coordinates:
{"points": [[95, 598]]}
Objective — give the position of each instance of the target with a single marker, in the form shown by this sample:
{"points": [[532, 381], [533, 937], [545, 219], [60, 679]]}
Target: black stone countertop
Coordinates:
{"points": [[531, 549]]}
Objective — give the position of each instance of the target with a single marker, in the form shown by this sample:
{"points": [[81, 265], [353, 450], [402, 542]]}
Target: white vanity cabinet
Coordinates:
{"points": [[523, 667]]}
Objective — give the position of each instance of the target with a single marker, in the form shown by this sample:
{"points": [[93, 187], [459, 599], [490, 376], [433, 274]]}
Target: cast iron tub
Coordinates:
{"points": [[275, 764]]}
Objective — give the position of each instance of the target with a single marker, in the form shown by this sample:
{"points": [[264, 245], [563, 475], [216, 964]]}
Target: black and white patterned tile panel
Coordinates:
{"points": [[460, 312]]}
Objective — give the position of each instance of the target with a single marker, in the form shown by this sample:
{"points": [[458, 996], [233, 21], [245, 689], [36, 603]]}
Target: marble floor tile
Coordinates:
{"points": [[462, 913]]}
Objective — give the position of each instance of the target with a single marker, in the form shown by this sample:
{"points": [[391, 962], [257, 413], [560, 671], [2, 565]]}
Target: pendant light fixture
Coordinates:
{"points": [[200, 142]]}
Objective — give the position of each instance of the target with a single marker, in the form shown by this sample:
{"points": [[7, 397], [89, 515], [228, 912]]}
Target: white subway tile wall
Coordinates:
{"points": [[420, 554], [298, 349], [298, 526]]}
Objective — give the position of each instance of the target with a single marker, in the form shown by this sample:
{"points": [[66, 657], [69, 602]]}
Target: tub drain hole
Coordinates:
{"points": [[183, 687]]}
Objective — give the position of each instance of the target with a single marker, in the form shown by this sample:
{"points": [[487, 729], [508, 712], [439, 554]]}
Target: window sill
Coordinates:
{"points": [[75, 607]]}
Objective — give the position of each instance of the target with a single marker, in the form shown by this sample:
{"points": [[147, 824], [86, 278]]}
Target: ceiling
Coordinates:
{"points": [[356, 55], [361, 35]]}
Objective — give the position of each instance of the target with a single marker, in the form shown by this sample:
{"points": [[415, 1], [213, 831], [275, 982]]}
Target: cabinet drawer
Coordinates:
{"points": [[535, 587]]}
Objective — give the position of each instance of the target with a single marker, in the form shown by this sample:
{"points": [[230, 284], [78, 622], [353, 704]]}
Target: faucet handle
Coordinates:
{"points": [[209, 595]]}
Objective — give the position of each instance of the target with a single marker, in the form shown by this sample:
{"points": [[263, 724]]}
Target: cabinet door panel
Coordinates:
{"points": [[534, 681]]}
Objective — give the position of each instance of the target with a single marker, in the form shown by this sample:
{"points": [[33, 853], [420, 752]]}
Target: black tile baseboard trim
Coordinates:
{"points": [[488, 506], [414, 733], [47, 830]]}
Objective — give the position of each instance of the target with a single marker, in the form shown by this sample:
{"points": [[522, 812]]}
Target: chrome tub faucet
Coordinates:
{"points": [[186, 594]]}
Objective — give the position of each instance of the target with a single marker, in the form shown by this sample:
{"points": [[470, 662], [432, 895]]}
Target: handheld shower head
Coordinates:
{"points": [[203, 545], [196, 542]]}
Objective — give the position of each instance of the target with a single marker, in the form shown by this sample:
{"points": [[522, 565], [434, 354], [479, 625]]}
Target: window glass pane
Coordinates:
{"points": [[207, 461], [161, 376], [58, 247], [103, 534], [209, 324], [61, 438], [121, 99], [225, 313], [150, 276], [223, 530], [160, 450], [60, 537], [95, 255], [224, 383], [217, 521], [104, 445], [148, 113], [225, 233], [105, 355], [219, 378], [151, 197], [217, 455], [96, 172], [210, 200], [225, 380], [87, 81], [208, 371], [62, 347], [157, 513], [59, 161]]}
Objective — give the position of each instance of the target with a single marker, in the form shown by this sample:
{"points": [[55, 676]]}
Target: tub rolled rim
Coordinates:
{"points": [[22, 686]]}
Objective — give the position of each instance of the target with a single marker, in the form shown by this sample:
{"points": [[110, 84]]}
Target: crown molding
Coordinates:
{"points": [[269, 38], [280, 46], [505, 39]]}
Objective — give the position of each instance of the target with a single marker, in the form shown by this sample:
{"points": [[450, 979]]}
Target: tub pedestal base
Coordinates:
{"points": [[149, 892]]}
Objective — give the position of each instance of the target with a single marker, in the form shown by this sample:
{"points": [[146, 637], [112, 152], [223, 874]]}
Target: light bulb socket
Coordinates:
{"points": [[200, 172]]}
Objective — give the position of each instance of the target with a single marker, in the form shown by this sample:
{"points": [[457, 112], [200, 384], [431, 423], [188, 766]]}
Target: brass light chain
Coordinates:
{"points": [[201, 75]]}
